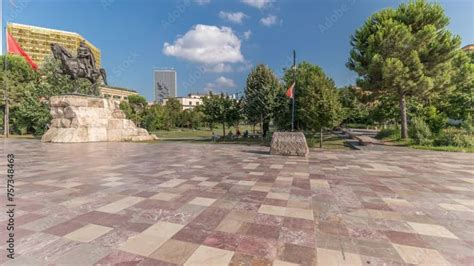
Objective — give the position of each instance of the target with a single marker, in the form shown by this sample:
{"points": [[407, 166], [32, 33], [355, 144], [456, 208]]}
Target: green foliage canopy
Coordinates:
{"points": [[405, 52], [317, 99]]}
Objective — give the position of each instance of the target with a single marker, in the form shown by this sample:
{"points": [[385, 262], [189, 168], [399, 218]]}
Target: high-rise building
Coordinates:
{"points": [[36, 41], [165, 84], [469, 48]]}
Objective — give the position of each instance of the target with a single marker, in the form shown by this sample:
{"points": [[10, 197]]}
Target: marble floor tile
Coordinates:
{"points": [[174, 251], [202, 201], [205, 255], [171, 203], [455, 207], [165, 196], [432, 230], [420, 256], [142, 244], [163, 229], [88, 233], [121, 204], [337, 257]]}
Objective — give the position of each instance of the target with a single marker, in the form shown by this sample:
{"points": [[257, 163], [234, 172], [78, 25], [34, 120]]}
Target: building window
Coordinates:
{"points": [[190, 103]]}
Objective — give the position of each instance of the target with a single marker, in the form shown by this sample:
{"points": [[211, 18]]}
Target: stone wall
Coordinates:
{"points": [[79, 118]]}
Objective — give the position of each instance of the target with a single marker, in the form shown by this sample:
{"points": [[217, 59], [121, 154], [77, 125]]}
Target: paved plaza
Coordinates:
{"points": [[204, 204]]}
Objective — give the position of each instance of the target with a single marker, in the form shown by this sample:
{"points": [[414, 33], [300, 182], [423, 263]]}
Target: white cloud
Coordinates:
{"points": [[247, 34], [236, 17], [246, 66], [221, 83], [258, 3], [219, 68], [210, 45], [269, 21], [202, 2]]}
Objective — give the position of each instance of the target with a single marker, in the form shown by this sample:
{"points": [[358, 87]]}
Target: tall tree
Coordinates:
{"points": [[174, 108], [355, 110], [211, 109], [156, 118], [261, 93], [135, 108], [220, 109], [17, 78], [406, 52], [459, 104], [317, 99]]}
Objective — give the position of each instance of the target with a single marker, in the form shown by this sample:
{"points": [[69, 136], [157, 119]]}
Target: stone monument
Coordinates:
{"points": [[78, 118], [289, 144]]}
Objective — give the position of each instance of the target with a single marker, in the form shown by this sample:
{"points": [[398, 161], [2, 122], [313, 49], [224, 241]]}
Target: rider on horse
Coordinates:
{"points": [[81, 66], [85, 56]]}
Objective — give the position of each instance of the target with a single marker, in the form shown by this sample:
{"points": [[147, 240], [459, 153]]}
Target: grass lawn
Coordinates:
{"points": [[330, 141], [29, 136], [393, 138], [183, 133], [444, 148]]}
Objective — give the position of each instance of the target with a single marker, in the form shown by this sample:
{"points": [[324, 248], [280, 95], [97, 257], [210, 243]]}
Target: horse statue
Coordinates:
{"points": [[81, 66]]}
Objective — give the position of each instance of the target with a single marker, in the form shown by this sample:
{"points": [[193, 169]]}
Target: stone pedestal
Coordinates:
{"points": [[79, 118], [289, 144]]}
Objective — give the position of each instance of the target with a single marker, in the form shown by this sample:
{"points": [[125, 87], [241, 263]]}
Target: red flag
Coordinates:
{"points": [[289, 92], [14, 48]]}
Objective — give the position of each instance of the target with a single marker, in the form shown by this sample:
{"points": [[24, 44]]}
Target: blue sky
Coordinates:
{"points": [[189, 35]]}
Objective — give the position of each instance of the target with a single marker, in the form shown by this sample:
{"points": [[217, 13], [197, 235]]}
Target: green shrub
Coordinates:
{"points": [[468, 124], [435, 119], [420, 132], [389, 133], [454, 137], [312, 141]]}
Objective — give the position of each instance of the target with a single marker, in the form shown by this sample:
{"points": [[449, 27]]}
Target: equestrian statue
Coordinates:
{"points": [[81, 66]]}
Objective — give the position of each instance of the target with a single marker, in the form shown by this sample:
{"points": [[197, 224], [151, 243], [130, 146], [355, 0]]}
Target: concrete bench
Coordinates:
{"points": [[366, 140]]}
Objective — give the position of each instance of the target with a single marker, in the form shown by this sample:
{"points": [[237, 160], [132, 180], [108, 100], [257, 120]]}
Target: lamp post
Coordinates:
{"points": [[294, 93]]}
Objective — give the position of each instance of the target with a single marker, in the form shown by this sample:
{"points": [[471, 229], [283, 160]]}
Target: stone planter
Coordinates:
{"points": [[289, 144]]}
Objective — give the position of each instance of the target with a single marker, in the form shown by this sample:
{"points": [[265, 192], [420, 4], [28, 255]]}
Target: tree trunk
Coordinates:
{"points": [[266, 127], [6, 119], [403, 116], [321, 139]]}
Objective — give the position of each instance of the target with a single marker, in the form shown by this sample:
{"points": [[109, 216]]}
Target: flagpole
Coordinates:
{"points": [[294, 93], [6, 118]]}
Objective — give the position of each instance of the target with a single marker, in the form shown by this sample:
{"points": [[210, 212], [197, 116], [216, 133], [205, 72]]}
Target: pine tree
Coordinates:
{"points": [[405, 52]]}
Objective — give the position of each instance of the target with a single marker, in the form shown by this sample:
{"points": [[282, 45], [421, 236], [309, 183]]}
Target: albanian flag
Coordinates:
{"points": [[14, 48], [289, 93]]}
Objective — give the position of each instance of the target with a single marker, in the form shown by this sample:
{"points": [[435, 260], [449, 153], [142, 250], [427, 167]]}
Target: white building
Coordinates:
{"points": [[189, 102]]}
